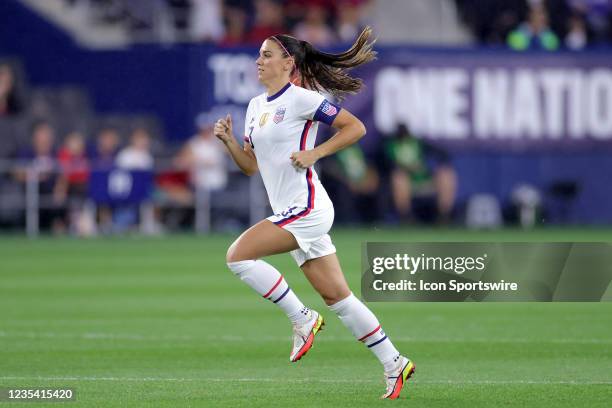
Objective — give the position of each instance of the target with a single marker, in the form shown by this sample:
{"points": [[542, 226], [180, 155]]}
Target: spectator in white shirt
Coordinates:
{"points": [[137, 155], [204, 157]]}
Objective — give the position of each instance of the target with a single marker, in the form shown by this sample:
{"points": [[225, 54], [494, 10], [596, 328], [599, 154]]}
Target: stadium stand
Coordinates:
{"points": [[128, 64]]}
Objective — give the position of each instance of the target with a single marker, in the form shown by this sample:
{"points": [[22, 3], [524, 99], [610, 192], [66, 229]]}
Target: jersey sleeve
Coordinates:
{"points": [[248, 123], [313, 106], [247, 119]]}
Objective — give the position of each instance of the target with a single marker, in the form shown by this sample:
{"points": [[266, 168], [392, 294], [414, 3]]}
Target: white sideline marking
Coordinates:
{"points": [[139, 337], [306, 380]]}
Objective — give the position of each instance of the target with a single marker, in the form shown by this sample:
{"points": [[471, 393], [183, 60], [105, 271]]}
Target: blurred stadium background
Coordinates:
{"points": [[488, 120], [480, 113]]}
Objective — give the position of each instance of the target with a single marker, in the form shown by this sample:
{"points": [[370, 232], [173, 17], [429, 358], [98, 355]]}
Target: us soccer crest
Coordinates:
{"points": [[279, 115], [328, 109], [263, 119]]}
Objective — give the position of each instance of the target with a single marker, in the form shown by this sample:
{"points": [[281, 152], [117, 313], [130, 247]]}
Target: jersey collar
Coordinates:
{"points": [[279, 93]]}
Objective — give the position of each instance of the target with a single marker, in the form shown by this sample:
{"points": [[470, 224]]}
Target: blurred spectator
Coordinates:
{"points": [[39, 161], [206, 21], [137, 155], [353, 183], [269, 21], [72, 184], [107, 143], [235, 25], [9, 103], [597, 15], [535, 33], [39, 156], [314, 28], [204, 157], [577, 35], [75, 167], [420, 170], [349, 19], [174, 197]]}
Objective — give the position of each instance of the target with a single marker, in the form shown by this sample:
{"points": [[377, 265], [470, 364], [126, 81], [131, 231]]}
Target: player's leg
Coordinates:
{"points": [[262, 239], [325, 275], [243, 258]]}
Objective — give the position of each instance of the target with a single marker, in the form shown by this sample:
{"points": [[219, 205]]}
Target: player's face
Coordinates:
{"points": [[271, 65]]}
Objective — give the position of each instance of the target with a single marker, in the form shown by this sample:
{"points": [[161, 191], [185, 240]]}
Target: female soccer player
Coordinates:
{"points": [[280, 131]]}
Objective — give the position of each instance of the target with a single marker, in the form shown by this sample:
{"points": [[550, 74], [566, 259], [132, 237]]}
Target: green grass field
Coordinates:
{"points": [[162, 322]]}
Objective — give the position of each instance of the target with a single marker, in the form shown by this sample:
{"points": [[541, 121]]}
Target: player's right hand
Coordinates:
{"points": [[223, 129]]}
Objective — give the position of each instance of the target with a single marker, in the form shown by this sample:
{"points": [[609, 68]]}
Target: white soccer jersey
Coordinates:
{"points": [[279, 125]]}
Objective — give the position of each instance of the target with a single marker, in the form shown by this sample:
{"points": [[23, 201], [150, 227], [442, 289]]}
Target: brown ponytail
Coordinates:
{"points": [[321, 71]]}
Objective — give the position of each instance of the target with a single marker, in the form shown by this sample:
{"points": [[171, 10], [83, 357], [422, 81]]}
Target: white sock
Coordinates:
{"points": [[365, 327], [269, 283]]}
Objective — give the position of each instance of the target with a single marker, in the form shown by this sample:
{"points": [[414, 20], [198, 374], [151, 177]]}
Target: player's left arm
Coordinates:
{"points": [[350, 130]]}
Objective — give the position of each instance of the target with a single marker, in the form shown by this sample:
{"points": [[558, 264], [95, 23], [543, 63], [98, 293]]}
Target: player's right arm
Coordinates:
{"points": [[243, 157]]}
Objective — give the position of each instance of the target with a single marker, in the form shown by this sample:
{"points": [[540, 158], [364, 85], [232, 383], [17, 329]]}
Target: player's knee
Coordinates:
{"points": [[232, 254], [236, 261]]}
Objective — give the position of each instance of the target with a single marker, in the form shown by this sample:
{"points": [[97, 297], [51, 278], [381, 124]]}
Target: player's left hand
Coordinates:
{"points": [[304, 159]]}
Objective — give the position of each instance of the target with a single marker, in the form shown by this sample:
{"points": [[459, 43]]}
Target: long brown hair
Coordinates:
{"points": [[322, 71]]}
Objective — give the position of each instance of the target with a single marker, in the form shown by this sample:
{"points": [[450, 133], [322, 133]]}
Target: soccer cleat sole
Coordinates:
{"points": [[407, 372], [318, 326]]}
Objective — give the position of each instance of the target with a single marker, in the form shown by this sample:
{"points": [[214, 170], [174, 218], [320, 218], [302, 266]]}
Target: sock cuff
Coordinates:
{"points": [[239, 267], [338, 307]]}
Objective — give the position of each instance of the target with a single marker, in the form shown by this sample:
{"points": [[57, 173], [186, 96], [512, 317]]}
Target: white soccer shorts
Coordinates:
{"points": [[310, 228]]}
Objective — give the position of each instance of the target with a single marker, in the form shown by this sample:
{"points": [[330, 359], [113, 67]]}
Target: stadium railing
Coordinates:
{"points": [[243, 199]]}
